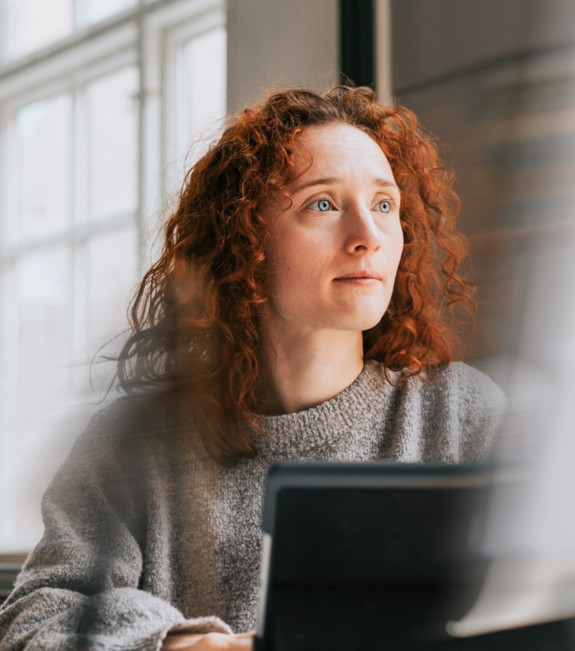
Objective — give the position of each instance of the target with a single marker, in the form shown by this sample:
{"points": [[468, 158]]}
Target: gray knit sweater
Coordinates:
{"points": [[144, 533]]}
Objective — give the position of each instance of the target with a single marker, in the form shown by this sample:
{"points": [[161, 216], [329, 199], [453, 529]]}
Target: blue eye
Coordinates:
{"points": [[323, 205], [385, 206]]}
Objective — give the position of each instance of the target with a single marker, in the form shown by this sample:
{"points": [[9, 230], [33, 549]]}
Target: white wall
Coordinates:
{"points": [[280, 41]]}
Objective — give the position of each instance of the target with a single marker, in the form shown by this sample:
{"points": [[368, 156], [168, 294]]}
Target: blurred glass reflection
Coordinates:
{"points": [[39, 348], [505, 108]]}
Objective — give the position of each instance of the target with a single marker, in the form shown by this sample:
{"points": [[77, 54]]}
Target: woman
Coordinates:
{"points": [[297, 312]]}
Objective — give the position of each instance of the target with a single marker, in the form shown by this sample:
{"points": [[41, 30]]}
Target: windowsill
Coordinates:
{"points": [[13, 558], [10, 566]]}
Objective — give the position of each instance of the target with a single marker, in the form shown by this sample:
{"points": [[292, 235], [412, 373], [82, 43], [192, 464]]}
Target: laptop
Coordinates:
{"points": [[378, 555]]}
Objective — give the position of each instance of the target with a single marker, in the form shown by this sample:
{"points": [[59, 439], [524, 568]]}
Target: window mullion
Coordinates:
{"points": [[80, 172], [80, 191], [141, 99], [9, 338], [151, 137]]}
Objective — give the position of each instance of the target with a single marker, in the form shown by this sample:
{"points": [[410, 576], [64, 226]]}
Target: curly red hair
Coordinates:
{"points": [[195, 317]]}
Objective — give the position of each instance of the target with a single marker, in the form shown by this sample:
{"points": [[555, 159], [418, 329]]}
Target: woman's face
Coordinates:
{"points": [[334, 253]]}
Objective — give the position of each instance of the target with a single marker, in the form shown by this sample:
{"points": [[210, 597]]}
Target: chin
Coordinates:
{"points": [[361, 314], [360, 322]]}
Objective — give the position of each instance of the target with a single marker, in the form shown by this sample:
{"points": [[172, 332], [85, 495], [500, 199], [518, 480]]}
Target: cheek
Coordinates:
{"points": [[296, 262]]}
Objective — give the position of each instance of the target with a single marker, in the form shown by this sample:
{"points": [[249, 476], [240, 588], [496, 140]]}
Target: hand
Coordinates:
{"points": [[209, 642]]}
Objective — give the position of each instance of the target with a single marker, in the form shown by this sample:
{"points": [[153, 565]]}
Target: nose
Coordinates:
{"points": [[362, 234]]}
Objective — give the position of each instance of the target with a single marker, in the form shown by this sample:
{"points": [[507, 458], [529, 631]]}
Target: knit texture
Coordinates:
{"points": [[145, 533]]}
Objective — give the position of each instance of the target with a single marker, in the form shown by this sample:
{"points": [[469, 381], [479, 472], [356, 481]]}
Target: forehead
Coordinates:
{"points": [[340, 148]]}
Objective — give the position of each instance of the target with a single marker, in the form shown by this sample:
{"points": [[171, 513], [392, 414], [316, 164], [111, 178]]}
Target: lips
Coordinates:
{"points": [[359, 275]]}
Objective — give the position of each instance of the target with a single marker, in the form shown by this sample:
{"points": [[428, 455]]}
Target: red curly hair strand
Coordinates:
{"points": [[195, 317]]}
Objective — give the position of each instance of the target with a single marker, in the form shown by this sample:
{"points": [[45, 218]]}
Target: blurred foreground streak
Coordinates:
{"points": [[495, 81]]}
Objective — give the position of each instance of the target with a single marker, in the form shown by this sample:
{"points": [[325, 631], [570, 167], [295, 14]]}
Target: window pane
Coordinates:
{"points": [[32, 24], [205, 58], [113, 144], [44, 313], [37, 306], [112, 274], [43, 133], [44, 281], [100, 9]]}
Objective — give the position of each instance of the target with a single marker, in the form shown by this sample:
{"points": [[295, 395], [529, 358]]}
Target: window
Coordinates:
{"points": [[100, 101]]}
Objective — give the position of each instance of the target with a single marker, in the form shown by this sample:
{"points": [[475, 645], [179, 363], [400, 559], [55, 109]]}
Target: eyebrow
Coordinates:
{"points": [[383, 183]]}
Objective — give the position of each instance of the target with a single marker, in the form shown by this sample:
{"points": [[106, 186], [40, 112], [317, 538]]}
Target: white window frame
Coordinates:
{"points": [[149, 36], [164, 32]]}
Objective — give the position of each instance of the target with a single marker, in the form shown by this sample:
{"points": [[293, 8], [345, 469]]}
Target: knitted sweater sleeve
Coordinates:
{"points": [[80, 586]]}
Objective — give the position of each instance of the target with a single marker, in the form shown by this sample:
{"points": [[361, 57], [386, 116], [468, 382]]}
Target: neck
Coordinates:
{"points": [[304, 368]]}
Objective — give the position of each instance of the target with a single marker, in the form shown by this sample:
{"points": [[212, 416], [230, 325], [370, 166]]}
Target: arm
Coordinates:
{"points": [[209, 642], [79, 588]]}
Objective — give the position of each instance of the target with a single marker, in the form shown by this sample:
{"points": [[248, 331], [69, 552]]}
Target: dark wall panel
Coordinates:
{"points": [[496, 84], [436, 38]]}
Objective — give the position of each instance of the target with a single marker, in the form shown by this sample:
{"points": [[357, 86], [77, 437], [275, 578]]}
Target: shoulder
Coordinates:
{"points": [[451, 415], [116, 456], [478, 405], [122, 430], [114, 423], [458, 383], [475, 391]]}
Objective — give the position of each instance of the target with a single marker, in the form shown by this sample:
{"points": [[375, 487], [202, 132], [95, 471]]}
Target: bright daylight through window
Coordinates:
{"points": [[94, 137]]}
